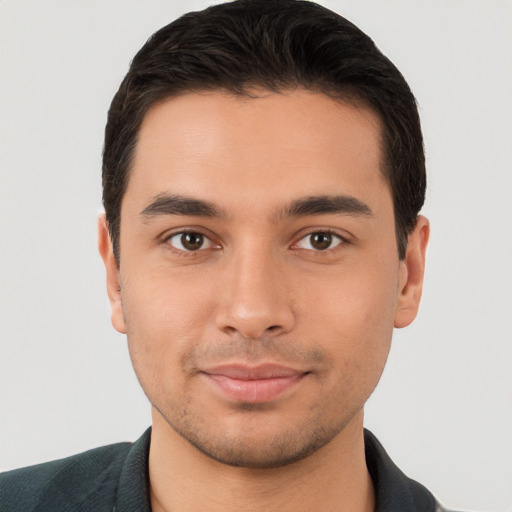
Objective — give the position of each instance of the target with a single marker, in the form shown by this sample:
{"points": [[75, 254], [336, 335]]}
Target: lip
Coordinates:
{"points": [[253, 384]]}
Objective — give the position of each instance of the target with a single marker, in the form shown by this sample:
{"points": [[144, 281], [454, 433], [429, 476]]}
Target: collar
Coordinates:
{"points": [[394, 492], [133, 489]]}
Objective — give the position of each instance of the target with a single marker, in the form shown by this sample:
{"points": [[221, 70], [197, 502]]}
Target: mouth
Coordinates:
{"points": [[259, 384]]}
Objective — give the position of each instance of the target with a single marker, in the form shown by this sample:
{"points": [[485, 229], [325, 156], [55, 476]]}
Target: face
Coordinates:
{"points": [[259, 279]]}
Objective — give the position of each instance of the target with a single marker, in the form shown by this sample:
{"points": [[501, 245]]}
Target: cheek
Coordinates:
{"points": [[165, 304], [163, 324], [353, 317]]}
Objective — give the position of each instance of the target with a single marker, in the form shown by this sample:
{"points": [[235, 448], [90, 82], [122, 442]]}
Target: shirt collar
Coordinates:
{"points": [[394, 492], [133, 489]]}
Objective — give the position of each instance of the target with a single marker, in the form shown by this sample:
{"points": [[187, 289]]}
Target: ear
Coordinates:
{"points": [[412, 269], [113, 281]]}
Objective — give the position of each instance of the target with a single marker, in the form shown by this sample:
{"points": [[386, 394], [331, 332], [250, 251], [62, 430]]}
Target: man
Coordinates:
{"points": [[263, 175]]}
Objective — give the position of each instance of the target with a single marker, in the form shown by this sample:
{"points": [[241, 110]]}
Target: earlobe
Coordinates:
{"points": [[412, 270], [112, 271]]}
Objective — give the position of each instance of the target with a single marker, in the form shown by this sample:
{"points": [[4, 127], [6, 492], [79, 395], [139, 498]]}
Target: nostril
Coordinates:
{"points": [[273, 328]]}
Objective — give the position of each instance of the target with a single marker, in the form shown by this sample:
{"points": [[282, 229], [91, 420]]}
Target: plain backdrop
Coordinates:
{"points": [[443, 409]]}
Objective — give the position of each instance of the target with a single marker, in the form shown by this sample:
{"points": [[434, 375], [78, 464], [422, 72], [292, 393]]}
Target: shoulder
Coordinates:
{"points": [[66, 484]]}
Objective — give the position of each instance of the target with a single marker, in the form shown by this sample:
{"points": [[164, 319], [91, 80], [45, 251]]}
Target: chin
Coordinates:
{"points": [[256, 446], [263, 454]]}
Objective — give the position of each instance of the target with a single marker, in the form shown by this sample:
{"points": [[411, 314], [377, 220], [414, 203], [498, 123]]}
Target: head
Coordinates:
{"points": [[277, 46], [263, 172]]}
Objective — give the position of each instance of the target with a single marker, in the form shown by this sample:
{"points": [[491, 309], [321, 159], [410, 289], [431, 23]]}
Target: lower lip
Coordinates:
{"points": [[254, 391]]}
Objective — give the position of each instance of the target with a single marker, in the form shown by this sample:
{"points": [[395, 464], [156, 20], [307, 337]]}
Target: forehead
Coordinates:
{"points": [[269, 146]]}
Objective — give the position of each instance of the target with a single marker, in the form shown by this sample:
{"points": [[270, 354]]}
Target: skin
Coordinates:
{"points": [[260, 291]]}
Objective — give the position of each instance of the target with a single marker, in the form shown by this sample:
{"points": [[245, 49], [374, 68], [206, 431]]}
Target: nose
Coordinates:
{"points": [[254, 299]]}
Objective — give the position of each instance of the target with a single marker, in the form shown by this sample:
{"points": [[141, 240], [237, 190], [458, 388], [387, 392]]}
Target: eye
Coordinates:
{"points": [[319, 241], [190, 241]]}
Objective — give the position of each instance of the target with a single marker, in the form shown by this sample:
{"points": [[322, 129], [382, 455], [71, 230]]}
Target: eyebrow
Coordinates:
{"points": [[320, 205], [165, 204]]}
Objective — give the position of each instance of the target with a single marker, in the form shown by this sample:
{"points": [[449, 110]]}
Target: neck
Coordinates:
{"points": [[333, 478]]}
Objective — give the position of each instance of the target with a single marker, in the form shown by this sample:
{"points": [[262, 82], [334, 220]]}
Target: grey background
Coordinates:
{"points": [[443, 409]]}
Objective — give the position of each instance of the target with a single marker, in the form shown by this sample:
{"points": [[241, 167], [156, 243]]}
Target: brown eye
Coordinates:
{"points": [[319, 241], [190, 241]]}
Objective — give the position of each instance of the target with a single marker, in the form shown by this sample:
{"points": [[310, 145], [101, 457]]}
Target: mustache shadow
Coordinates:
{"points": [[253, 350]]}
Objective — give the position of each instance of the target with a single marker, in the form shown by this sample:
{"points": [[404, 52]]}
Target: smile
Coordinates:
{"points": [[253, 384]]}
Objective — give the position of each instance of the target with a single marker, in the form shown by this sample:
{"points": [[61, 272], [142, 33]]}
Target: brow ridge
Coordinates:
{"points": [[168, 204], [327, 204]]}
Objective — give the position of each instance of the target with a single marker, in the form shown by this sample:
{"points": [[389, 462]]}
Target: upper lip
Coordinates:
{"points": [[246, 372]]}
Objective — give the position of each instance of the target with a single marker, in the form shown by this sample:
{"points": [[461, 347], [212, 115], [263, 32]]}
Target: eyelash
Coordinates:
{"points": [[335, 235], [187, 253], [184, 252]]}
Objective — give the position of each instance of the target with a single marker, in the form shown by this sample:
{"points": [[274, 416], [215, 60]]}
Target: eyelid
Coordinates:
{"points": [[343, 239], [181, 231]]}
